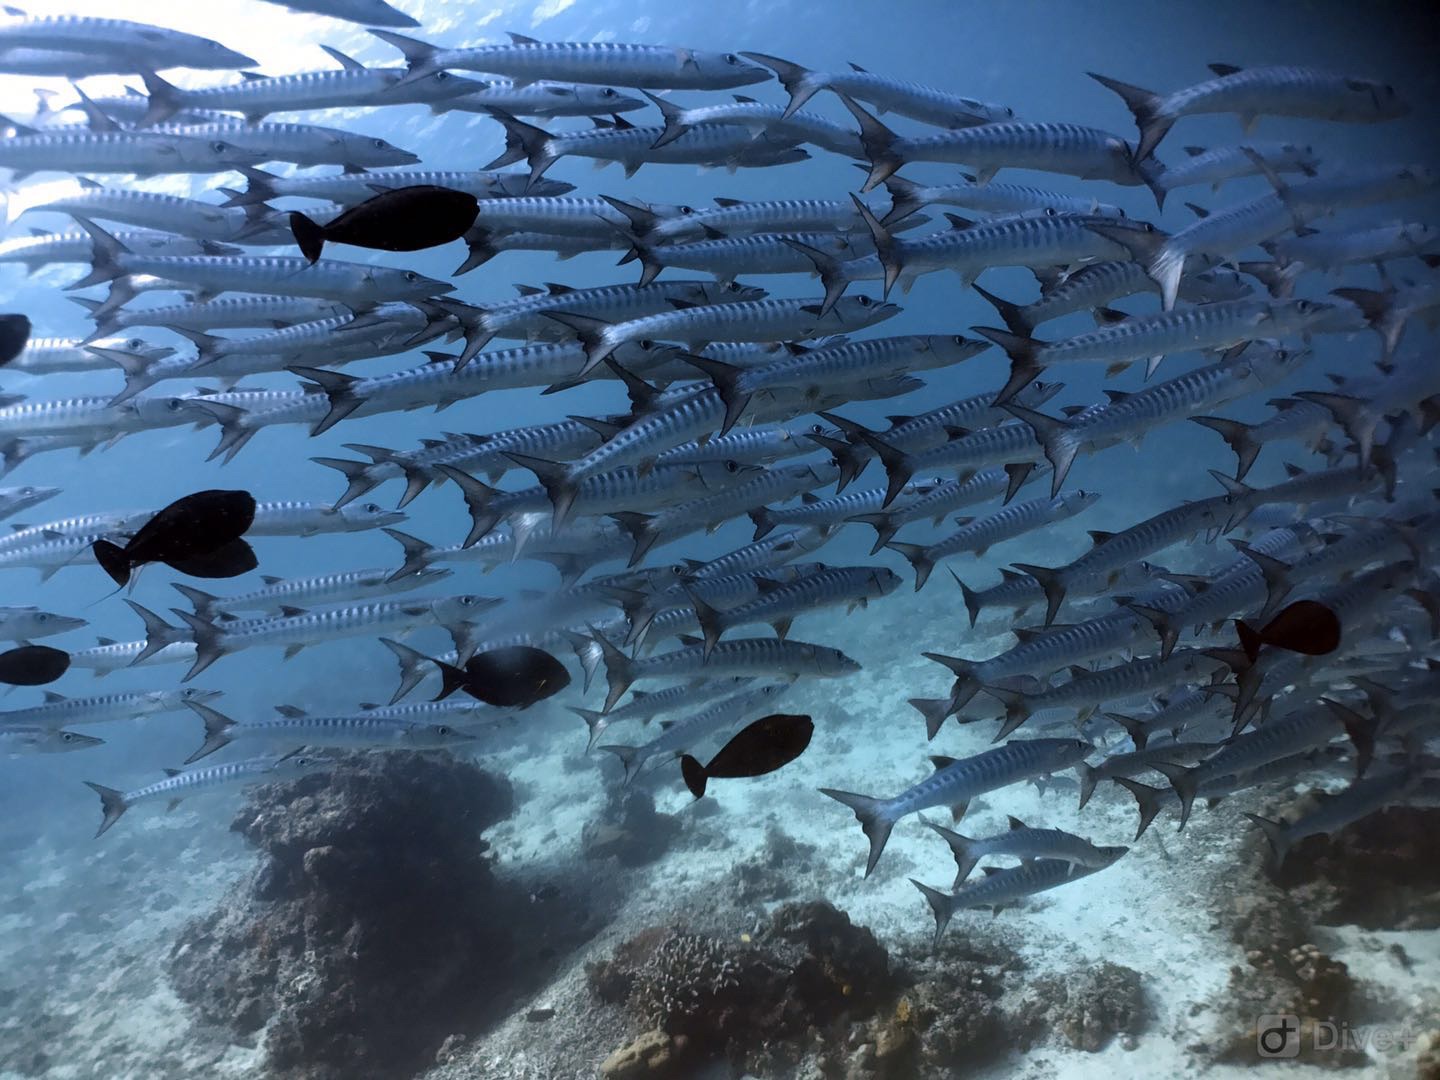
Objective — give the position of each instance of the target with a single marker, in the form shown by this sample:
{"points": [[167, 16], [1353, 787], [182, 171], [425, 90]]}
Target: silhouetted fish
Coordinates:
{"points": [[401, 219], [227, 561], [762, 747], [194, 531], [515, 677], [33, 665], [14, 334], [1306, 626]]}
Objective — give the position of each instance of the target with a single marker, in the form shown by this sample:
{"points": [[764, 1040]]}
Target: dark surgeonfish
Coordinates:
{"points": [[513, 678], [14, 335], [1306, 626], [33, 665], [398, 219], [760, 748], [197, 535]]}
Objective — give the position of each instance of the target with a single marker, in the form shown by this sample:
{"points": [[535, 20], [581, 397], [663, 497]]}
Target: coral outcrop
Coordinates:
{"points": [[374, 928]]}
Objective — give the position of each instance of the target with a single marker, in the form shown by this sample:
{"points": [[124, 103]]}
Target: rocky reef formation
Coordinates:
{"points": [[1381, 873], [374, 927], [811, 994]]}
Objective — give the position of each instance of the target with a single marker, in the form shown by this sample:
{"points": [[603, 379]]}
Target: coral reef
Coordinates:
{"points": [[1381, 873], [373, 930], [1089, 1007], [773, 872], [757, 1002]]}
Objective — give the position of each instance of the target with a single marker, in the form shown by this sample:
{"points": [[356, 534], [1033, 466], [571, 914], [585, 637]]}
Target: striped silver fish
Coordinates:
{"points": [[295, 727], [908, 197], [277, 592], [59, 711], [138, 44], [539, 99]]}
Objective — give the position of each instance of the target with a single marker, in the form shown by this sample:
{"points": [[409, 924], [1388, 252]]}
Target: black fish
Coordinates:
{"points": [[33, 665], [401, 219], [201, 527], [229, 560], [515, 677], [14, 335], [1306, 626], [762, 747]]}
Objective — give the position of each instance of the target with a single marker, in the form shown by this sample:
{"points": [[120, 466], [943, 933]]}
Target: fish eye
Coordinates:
{"points": [[732, 287], [442, 76], [865, 301], [219, 147], [1147, 227], [443, 730], [372, 508], [732, 466], [42, 618], [134, 343], [686, 211], [646, 343], [731, 58], [679, 569], [411, 275], [817, 429], [1050, 211], [27, 491], [958, 339], [607, 92], [66, 736], [174, 404]]}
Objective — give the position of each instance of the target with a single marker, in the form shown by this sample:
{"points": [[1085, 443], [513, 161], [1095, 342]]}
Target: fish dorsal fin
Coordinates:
{"points": [[856, 67], [689, 640], [765, 586], [1194, 151], [172, 772], [1116, 395], [941, 762], [271, 579], [1078, 671], [291, 612], [666, 725], [896, 419], [682, 305], [1224, 69], [1292, 470], [519, 39], [958, 222], [725, 204], [348, 63], [743, 100], [1011, 575], [255, 76], [290, 712], [554, 288], [991, 870], [103, 641], [1108, 316], [51, 697], [1026, 633], [1074, 410], [529, 290], [621, 124], [809, 498], [1015, 823], [1199, 211], [1099, 536]]}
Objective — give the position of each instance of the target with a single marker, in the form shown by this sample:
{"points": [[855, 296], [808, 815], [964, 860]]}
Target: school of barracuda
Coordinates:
{"points": [[1120, 670]]}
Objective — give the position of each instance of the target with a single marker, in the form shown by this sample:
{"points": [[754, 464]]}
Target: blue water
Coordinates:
{"points": [[1031, 56]]}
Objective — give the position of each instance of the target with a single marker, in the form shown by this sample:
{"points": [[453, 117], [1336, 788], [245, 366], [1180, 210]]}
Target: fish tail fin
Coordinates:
{"points": [[217, 731], [1056, 437], [643, 221], [523, 142], [1011, 314], [619, 669], [1022, 352], [158, 633], [1134, 727], [711, 620], [203, 602], [886, 249], [899, 466], [339, 390], [1381, 312], [1182, 779], [1360, 730], [1238, 436], [229, 419], [799, 82], [309, 235], [140, 373], [874, 822], [631, 758], [918, 556], [694, 775], [414, 50], [904, 198], [105, 252], [1146, 107], [973, 603], [112, 805], [1147, 799], [1052, 584], [676, 123], [556, 478], [827, 267], [480, 245], [727, 381], [878, 141], [962, 847], [1250, 639], [208, 639], [113, 561], [935, 711], [941, 904], [162, 100], [1277, 833], [595, 724], [412, 667], [358, 475], [1164, 624], [1088, 776], [884, 525], [452, 678], [417, 553], [1355, 416], [1017, 709], [478, 496], [1165, 270]]}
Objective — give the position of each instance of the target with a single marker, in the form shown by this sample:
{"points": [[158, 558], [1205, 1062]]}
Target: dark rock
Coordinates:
{"points": [[631, 831], [372, 930], [1087, 1007]]}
